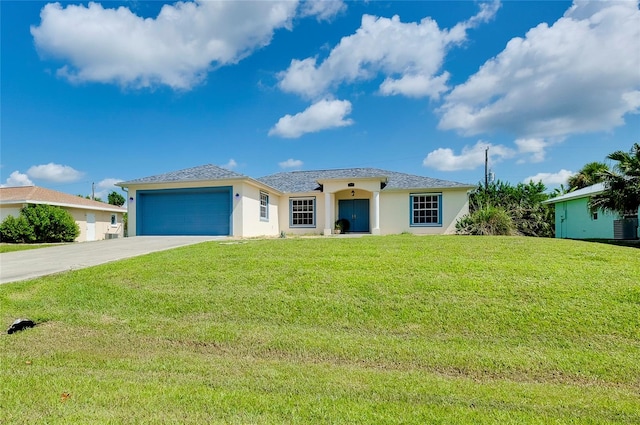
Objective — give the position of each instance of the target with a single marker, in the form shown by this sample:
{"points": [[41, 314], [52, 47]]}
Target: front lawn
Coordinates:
{"points": [[385, 330]]}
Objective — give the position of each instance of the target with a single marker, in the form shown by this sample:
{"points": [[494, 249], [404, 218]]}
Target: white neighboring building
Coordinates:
{"points": [[96, 220]]}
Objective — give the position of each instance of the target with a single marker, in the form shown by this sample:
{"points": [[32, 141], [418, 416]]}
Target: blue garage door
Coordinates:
{"points": [[202, 211]]}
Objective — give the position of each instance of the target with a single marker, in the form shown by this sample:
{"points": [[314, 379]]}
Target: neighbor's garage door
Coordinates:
{"points": [[202, 211]]}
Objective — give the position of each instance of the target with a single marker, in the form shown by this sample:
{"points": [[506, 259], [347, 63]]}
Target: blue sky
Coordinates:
{"points": [[111, 91]]}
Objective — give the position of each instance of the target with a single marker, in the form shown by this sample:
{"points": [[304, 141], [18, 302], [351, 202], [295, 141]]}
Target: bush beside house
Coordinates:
{"points": [[39, 224], [503, 209]]}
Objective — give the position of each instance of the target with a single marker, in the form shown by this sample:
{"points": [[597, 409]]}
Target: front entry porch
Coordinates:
{"points": [[361, 208]]}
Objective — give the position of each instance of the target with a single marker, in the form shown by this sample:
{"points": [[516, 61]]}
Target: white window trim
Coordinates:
{"points": [[266, 207]]}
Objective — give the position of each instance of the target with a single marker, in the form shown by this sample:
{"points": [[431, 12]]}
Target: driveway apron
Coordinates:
{"points": [[32, 263]]}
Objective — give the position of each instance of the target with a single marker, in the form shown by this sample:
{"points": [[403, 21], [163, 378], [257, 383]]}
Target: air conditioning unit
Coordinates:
{"points": [[626, 228]]}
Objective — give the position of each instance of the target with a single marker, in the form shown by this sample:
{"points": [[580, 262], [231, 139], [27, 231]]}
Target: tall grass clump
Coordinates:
{"points": [[488, 220]]}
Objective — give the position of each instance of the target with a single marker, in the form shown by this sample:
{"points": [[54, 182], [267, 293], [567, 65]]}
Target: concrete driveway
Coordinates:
{"points": [[32, 263]]}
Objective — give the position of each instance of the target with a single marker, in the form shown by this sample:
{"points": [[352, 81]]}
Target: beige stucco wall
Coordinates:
{"points": [[250, 223], [102, 225], [285, 215], [394, 211], [6, 211]]}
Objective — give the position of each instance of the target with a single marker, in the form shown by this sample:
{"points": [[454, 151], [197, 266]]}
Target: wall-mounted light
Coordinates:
{"points": [[237, 196], [353, 193], [131, 199]]}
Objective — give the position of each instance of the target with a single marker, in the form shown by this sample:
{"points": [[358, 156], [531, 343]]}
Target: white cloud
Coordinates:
{"points": [[578, 75], [409, 55], [291, 164], [105, 186], [415, 85], [109, 183], [17, 179], [54, 173], [533, 148], [551, 179], [321, 115], [177, 48], [471, 157], [323, 10], [230, 165]]}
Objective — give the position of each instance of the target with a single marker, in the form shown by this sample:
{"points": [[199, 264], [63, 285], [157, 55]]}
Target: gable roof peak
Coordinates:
{"points": [[199, 173]]}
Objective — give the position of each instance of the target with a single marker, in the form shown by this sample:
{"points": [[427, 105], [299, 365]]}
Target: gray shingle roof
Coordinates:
{"points": [[201, 173], [307, 181], [301, 181]]}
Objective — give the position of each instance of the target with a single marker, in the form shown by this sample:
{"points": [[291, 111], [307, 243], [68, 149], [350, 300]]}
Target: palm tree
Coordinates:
{"points": [[562, 190], [588, 175], [622, 185]]}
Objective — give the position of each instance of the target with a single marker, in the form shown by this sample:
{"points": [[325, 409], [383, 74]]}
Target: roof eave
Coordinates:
{"points": [[107, 207], [156, 183], [404, 189], [573, 195], [227, 179], [376, 178]]}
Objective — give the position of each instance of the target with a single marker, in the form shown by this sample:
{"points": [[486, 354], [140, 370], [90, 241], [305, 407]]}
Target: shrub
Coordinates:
{"points": [[51, 224], [523, 203], [63, 227], [489, 220], [16, 230], [40, 223]]}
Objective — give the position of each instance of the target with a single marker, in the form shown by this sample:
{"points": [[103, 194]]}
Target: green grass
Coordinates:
{"points": [[388, 330], [11, 247]]}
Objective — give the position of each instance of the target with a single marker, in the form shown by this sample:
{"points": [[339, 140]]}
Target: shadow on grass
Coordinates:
{"points": [[632, 243]]}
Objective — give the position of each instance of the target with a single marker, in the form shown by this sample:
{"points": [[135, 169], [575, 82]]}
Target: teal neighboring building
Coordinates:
{"points": [[574, 220]]}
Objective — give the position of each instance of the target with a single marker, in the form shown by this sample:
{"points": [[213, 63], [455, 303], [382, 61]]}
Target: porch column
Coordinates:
{"points": [[376, 214], [327, 214]]}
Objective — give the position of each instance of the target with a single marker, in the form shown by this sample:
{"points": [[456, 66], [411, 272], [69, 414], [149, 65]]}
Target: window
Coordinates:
{"points": [[303, 212], [264, 206], [114, 219], [595, 215], [426, 210]]}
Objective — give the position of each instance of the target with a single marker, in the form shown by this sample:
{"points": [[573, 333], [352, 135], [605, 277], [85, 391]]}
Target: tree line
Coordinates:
{"points": [[499, 208]]}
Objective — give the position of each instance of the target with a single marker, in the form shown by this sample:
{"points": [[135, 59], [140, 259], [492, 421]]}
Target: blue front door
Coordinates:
{"points": [[356, 211]]}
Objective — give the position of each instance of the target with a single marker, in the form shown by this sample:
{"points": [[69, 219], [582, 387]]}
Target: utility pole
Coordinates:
{"points": [[486, 168], [93, 191]]}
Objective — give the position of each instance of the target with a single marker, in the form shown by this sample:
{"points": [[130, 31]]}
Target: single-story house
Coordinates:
{"points": [[210, 200], [574, 219], [97, 220]]}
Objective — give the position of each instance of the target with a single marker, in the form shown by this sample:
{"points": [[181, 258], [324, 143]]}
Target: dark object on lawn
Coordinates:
{"points": [[20, 324]]}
